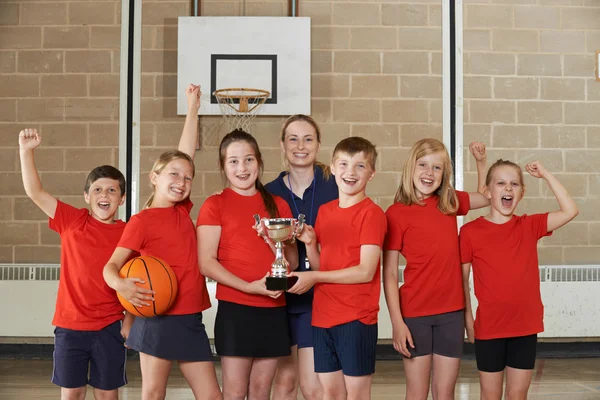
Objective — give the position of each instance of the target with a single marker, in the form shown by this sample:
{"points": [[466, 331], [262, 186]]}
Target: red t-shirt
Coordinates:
{"points": [[428, 239], [341, 232], [241, 251], [168, 233], [84, 301], [506, 274]]}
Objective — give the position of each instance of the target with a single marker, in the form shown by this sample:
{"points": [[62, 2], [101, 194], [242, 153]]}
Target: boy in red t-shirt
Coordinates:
{"points": [[502, 247], [88, 336], [350, 232]]}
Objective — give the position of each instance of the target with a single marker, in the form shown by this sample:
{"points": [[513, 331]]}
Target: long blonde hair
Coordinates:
{"points": [[407, 194], [305, 118], [161, 162]]}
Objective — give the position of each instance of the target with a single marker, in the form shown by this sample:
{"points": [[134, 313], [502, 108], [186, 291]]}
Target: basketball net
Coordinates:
{"points": [[240, 106]]}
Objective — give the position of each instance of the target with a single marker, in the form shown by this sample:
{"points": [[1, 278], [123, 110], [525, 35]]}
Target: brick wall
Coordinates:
{"points": [[376, 72], [530, 94], [59, 73]]}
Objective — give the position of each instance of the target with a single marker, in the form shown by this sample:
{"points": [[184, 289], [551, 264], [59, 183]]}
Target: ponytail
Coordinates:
{"points": [[268, 199]]}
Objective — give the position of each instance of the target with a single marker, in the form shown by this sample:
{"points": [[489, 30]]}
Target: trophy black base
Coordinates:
{"points": [[283, 283]]}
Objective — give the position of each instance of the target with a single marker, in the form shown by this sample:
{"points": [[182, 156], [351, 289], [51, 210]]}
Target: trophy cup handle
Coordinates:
{"points": [[299, 225], [258, 221]]}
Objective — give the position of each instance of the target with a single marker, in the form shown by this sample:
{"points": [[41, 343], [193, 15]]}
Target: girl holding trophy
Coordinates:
{"points": [[306, 185], [251, 329]]}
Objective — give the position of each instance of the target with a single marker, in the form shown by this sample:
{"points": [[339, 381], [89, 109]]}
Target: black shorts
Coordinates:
{"points": [[494, 355], [301, 330], [255, 332], [171, 337]]}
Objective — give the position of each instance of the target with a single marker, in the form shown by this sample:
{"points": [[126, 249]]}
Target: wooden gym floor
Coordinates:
{"points": [[569, 379]]}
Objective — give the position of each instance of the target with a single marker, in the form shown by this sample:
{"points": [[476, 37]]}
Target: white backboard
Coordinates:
{"points": [[269, 53]]}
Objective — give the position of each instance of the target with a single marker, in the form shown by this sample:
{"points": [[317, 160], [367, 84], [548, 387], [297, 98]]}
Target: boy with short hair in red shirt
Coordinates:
{"points": [[350, 232], [88, 338], [502, 247]]}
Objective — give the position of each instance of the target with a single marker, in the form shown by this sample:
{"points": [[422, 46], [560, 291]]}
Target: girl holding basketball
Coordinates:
{"points": [[305, 186], [163, 229], [251, 329], [502, 247], [427, 312]]}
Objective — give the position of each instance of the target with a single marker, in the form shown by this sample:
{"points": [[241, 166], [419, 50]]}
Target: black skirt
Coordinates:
{"points": [[256, 332]]}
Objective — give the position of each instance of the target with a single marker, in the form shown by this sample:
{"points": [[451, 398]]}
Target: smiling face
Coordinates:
{"points": [[352, 173], [104, 197], [300, 144], [505, 189], [429, 174], [173, 184], [241, 167]]}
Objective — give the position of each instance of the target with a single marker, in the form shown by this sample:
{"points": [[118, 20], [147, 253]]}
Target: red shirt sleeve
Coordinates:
{"points": [[538, 224], [394, 239], [133, 236], [466, 250], [464, 202], [64, 216], [374, 227], [210, 213]]}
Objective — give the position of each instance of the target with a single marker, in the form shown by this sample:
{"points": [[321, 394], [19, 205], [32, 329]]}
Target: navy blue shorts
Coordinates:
{"points": [[348, 347], [171, 337], [99, 354], [301, 333]]}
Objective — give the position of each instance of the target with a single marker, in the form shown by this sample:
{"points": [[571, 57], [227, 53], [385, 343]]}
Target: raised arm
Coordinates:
{"points": [[189, 137], [478, 200], [469, 320], [401, 334], [29, 139], [568, 207], [209, 237]]}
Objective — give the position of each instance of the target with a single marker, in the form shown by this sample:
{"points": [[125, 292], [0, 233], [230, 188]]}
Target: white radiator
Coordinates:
{"points": [[571, 295]]}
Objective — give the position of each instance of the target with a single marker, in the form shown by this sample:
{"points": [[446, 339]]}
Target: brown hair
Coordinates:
{"points": [[354, 145], [161, 162], [105, 171], [406, 194], [239, 135], [503, 163], [305, 118]]}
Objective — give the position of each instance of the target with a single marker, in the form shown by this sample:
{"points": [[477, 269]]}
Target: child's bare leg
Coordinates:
{"points": [[491, 385], [261, 378], [358, 387], [418, 373], [236, 377], [517, 383], [100, 394], [286, 378], [73, 394], [202, 378], [334, 387], [155, 375], [444, 375]]}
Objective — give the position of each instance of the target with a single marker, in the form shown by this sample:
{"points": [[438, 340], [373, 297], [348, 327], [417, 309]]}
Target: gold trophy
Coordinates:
{"points": [[278, 231]]}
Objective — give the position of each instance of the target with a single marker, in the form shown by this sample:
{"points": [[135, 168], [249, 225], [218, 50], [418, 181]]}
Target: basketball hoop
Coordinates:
{"points": [[239, 106]]}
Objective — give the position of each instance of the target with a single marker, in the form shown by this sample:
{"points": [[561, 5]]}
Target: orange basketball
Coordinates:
{"points": [[158, 276]]}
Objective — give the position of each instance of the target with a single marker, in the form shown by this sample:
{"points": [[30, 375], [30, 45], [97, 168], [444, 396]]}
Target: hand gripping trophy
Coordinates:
{"points": [[277, 231]]}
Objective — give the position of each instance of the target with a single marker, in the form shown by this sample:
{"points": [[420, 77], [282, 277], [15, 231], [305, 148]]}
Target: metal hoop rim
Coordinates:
{"points": [[260, 93]]}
